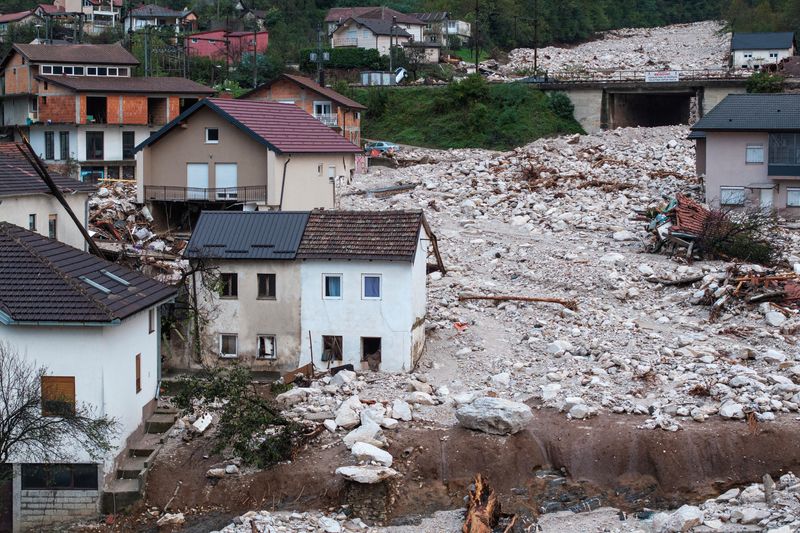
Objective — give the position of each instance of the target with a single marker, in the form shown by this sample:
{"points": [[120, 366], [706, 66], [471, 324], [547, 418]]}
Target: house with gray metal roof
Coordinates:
{"points": [[94, 327], [323, 287], [750, 144], [752, 50]]}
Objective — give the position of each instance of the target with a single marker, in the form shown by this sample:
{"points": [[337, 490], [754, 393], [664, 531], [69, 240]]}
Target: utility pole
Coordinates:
{"points": [[147, 51], [320, 71], [391, 46], [535, 37], [475, 33], [255, 53]]}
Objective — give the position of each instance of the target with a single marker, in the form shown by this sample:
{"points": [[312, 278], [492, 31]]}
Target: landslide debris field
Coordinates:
{"points": [[643, 398]]}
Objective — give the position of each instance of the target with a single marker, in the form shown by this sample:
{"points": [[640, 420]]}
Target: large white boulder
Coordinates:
{"points": [[684, 519], [363, 451], [369, 432], [366, 474], [401, 410], [494, 415]]}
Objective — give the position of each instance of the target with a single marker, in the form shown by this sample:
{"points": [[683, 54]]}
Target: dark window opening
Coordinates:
{"points": [[229, 285], [371, 352], [94, 145], [266, 286], [52, 223], [63, 140], [331, 347], [112, 173], [128, 144], [59, 476], [49, 145], [96, 110], [186, 103], [157, 111]]}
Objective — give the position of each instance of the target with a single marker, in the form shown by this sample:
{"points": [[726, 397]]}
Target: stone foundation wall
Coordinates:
{"points": [[39, 508]]}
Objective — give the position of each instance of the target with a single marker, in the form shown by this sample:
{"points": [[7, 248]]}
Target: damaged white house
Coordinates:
{"points": [[328, 287]]}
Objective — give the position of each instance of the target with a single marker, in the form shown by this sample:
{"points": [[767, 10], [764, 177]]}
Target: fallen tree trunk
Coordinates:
{"points": [[569, 304], [483, 509], [676, 282]]}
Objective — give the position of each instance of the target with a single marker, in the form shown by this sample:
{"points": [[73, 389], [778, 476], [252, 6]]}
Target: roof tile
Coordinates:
{"points": [[17, 175]]}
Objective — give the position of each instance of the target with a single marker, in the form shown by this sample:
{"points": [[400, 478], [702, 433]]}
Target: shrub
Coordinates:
{"points": [[747, 236], [344, 58], [377, 102], [561, 105], [764, 82]]}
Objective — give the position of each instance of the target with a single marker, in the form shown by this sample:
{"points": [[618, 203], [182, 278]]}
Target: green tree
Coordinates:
{"points": [[764, 82]]}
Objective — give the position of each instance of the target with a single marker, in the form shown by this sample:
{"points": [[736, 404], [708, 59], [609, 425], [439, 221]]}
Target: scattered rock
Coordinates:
{"points": [[494, 415]]}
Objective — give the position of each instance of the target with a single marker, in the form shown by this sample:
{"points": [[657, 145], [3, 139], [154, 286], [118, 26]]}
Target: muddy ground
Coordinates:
{"points": [[556, 465]]}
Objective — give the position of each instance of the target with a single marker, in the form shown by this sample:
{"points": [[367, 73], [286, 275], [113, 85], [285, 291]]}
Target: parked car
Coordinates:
{"points": [[381, 147]]}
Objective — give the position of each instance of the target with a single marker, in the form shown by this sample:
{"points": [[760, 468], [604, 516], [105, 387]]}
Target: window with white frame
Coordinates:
{"points": [[212, 135], [754, 154], [731, 195], [793, 197], [228, 345], [371, 286], [266, 347], [332, 171], [332, 286]]}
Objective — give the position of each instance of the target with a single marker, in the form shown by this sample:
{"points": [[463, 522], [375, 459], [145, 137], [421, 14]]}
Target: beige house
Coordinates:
{"points": [[243, 155], [26, 200], [748, 147], [370, 34]]}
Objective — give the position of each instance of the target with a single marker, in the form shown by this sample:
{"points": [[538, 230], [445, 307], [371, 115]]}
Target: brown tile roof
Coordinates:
{"points": [[43, 280], [100, 54], [15, 17], [172, 85], [340, 14], [384, 235], [310, 84], [17, 176], [282, 128]]}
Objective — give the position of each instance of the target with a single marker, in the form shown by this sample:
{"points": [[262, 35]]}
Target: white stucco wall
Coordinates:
{"points": [[103, 361], [759, 57], [725, 162], [112, 139], [16, 209], [353, 317]]}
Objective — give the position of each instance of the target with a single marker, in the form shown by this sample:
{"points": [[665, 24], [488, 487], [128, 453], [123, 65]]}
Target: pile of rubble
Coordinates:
{"points": [[276, 521], [122, 229], [696, 46], [768, 506], [566, 218]]}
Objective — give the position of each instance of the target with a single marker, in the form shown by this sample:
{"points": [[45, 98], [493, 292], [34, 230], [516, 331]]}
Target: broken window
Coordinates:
{"points": [[138, 373], [266, 347], [229, 285], [371, 286], [59, 476], [332, 286], [331, 347], [58, 395], [228, 345], [52, 223], [266, 286], [371, 352]]}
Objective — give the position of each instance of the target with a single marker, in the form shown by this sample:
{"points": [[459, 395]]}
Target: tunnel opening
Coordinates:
{"points": [[649, 109]]}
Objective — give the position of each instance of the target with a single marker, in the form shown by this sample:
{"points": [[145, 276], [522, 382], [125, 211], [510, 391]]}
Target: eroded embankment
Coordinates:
{"points": [[556, 464]]}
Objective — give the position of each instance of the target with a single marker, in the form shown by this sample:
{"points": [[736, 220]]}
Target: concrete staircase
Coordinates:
{"points": [[132, 469]]}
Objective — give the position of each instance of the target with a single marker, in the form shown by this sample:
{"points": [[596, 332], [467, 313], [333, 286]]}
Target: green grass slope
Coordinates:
{"points": [[469, 114]]}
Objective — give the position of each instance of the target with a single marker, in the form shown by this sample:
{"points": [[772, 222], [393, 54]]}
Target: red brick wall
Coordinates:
{"points": [[134, 109], [174, 108], [59, 109], [18, 79], [112, 109], [83, 109]]}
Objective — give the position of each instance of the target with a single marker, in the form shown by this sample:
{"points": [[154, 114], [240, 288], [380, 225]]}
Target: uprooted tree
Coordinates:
{"points": [[746, 235], [249, 423], [44, 429]]}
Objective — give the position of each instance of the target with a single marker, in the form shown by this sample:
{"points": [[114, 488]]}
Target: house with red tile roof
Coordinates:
{"points": [[239, 154], [80, 103], [19, 17], [341, 113]]}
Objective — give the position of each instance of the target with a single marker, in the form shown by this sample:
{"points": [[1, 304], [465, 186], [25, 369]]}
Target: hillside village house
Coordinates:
{"points": [[25, 199], [752, 50], [151, 15], [750, 144], [440, 28], [98, 14], [372, 19], [370, 34], [227, 46], [325, 104], [19, 17], [100, 347], [225, 153], [332, 287], [79, 103]]}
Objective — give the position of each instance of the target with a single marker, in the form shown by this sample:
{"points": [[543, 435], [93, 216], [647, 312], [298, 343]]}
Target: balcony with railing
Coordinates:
{"points": [[342, 42], [329, 119], [254, 193]]}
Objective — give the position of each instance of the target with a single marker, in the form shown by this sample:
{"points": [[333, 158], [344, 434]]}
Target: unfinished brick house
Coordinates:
{"points": [[82, 108], [326, 105]]}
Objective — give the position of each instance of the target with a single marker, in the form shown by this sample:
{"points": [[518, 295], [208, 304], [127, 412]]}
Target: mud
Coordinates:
{"points": [[555, 465]]}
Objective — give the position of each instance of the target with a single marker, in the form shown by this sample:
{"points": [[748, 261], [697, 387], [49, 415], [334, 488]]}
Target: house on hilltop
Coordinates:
{"points": [[752, 50]]}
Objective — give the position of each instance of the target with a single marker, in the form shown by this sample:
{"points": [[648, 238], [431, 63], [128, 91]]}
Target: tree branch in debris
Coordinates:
{"points": [[572, 305], [483, 509]]}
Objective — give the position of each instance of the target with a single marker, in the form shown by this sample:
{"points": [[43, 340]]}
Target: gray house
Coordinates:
{"points": [[750, 147]]}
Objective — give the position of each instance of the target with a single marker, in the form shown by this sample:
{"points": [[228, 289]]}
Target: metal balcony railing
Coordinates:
{"points": [[345, 41], [329, 119], [256, 193]]}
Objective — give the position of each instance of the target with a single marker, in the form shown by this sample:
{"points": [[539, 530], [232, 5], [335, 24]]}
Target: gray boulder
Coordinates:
{"points": [[494, 415]]}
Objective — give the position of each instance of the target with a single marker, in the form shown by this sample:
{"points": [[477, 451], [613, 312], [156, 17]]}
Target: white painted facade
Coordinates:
{"points": [[103, 361], [756, 58], [18, 209], [112, 140], [391, 318]]}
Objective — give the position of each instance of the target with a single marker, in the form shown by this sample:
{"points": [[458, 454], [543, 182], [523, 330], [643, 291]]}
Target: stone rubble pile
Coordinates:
{"points": [[771, 506], [284, 521], [566, 218], [695, 46]]}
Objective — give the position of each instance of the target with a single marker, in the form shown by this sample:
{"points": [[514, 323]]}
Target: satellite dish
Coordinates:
{"points": [[399, 74]]}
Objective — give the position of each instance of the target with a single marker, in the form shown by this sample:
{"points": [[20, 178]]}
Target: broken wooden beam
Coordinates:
{"points": [[572, 305], [483, 509], [676, 282]]}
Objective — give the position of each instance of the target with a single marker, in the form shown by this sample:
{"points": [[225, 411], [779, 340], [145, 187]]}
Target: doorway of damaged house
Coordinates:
{"points": [[371, 352]]}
